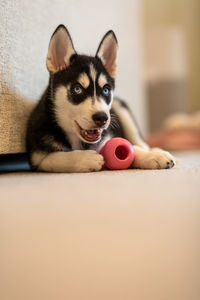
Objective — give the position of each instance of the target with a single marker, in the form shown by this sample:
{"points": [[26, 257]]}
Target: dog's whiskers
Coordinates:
{"points": [[114, 122]]}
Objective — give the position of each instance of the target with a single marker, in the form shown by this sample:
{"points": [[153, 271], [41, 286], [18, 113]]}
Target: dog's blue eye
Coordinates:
{"points": [[77, 89], [106, 90]]}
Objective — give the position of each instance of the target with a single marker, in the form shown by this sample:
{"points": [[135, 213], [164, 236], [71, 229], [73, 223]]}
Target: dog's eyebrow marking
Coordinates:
{"points": [[84, 80], [102, 80], [93, 74]]}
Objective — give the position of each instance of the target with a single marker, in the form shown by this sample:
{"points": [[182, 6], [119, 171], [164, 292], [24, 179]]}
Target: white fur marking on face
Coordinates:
{"points": [[102, 80], [84, 80], [93, 74], [67, 114], [103, 105]]}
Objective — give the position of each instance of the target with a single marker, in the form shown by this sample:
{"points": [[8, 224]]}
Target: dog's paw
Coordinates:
{"points": [[159, 160], [90, 161], [154, 159]]}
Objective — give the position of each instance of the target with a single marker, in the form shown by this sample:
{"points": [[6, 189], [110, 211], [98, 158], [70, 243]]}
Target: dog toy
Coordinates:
{"points": [[118, 154]]}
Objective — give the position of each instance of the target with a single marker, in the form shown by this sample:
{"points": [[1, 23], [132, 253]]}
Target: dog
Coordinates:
{"points": [[78, 113]]}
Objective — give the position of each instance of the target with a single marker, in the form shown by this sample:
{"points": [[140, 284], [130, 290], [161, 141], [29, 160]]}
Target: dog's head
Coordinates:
{"points": [[82, 86]]}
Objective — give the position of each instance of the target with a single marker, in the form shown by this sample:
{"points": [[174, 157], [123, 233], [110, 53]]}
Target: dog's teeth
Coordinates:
{"points": [[91, 134]]}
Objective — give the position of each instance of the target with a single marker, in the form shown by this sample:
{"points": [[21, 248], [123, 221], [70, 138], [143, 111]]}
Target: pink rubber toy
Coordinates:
{"points": [[118, 154]]}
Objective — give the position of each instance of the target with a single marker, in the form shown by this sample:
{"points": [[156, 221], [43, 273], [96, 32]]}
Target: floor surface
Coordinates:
{"points": [[111, 235]]}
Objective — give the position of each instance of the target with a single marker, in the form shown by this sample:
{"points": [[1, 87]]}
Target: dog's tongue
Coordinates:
{"points": [[91, 135]]}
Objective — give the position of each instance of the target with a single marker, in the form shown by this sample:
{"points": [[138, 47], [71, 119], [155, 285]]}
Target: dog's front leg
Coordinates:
{"points": [[152, 159], [68, 162]]}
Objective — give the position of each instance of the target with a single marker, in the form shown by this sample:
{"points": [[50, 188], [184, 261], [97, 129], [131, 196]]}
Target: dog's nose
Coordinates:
{"points": [[100, 118]]}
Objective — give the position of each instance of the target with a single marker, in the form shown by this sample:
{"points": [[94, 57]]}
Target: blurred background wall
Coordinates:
{"points": [[26, 28], [172, 60], [159, 61]]}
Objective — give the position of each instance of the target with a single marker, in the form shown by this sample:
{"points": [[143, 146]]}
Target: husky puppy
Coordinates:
{"points": [[77, 113]]}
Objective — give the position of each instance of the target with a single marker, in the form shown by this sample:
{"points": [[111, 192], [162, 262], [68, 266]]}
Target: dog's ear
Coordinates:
{"points": [[60, 50], [107, 52]]}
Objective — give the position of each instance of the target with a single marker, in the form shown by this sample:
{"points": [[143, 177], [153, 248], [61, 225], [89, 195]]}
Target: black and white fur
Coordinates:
{"points": [[77, 113]]}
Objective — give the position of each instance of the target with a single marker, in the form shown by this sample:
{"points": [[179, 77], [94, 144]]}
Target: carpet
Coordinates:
{"points": [[117, 235]]}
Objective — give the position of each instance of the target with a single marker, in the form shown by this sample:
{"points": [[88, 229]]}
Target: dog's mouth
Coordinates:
{"points": [[89, 135]]}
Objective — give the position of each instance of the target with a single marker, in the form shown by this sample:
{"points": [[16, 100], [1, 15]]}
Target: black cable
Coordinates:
{"points": [[14, 162]]}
